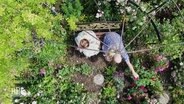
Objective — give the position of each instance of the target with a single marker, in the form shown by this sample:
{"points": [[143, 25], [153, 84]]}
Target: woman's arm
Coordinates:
{"points": [[132, 69]]}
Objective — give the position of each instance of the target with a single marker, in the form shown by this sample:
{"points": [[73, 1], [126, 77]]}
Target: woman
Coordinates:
{"points": [[88, 43]]}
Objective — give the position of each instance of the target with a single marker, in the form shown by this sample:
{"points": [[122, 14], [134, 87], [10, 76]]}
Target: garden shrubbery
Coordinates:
{"points": [[34, 45]]}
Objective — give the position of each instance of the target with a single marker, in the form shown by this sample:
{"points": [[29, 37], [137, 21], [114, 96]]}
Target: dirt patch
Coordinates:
{"points": [[97, 62], [87, 81]]}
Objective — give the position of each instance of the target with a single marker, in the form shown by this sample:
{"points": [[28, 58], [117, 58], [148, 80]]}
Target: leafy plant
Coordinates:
{"points": [[108, 95], [72, 12], [119, 81], [177, 94], [148, 79], [110, 70], [43, 84], [177, 72], [18, 20], [172, 36], [86, 69], [151, 80]]}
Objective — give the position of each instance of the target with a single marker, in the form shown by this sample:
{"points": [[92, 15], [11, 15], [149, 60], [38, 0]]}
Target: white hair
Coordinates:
{"points": [[117, 58]]}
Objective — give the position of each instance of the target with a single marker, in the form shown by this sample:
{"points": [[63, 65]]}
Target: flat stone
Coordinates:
{"points": [[98, 79], [164, 98]]}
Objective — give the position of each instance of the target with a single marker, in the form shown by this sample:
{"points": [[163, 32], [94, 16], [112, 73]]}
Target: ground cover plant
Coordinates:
{"points": [[39, 66]]}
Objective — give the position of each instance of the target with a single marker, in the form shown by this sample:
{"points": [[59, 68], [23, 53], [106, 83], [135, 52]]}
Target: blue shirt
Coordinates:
{"points": [[112, 40]]}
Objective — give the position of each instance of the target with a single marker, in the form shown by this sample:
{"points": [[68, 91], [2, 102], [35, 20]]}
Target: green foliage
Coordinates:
{"points": [[109, 91], [109, 95], [148, 78], [171, 36], [18, 20], [31, 38], [86, 69], [110, 70], [72, 20], [177, 94], [72, 12], [57, 87], [110, 10], [177, 72], [51, 51], [119, 81]]}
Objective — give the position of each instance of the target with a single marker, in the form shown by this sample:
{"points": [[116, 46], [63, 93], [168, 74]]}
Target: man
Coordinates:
{"points": [[114, 50], [87, 44]]}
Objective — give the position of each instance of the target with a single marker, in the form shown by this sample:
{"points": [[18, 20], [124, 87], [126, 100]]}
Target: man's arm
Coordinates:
{"points": [[132, 69], [126, 58]]}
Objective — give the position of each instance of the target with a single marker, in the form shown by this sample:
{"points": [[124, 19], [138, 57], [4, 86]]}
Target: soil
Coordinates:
{"points": [[87, 81], [97, 63]]}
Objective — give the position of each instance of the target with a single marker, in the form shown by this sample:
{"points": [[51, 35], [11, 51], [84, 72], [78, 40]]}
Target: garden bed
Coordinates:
{"points": [[39, 63]]}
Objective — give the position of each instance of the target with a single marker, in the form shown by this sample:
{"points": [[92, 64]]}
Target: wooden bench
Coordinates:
{"points": [[100, 27]]}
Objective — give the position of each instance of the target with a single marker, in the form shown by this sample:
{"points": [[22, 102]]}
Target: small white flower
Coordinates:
{"points": [[137, 1], [140, 23], [38, 94], [99, 10], [118, 1], [23, 91], [121, 1], [144, 18], [181, 63], [118, 96], [99, 3], [28, 93], [128, 9], [99, 14], [53, 8], [134, 28], [16, 100], [153, 13], [34, 102], [143, 8], [121, 11], [40, 85]]}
